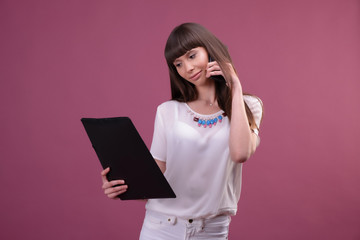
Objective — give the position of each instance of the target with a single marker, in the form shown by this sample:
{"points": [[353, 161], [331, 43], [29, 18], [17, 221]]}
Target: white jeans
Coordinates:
{"points": [[158, 226]]}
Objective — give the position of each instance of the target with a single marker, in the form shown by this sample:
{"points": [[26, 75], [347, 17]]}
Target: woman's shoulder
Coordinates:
{"points": [[254, 102], [256, 107], [252, 98], [167, 106]]}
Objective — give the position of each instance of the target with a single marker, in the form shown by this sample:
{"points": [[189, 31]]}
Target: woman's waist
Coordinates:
{"points": [[188, 220]]}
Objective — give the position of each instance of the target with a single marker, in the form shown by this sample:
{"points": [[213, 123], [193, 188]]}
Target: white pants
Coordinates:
{"points": [[158, 226]]}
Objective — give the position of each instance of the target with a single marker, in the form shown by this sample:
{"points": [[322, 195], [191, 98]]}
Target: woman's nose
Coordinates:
{"points": [[189, 67]]}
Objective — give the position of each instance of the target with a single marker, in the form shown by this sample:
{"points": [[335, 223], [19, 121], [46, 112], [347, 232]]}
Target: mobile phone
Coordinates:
{"points": [[218, 78]]}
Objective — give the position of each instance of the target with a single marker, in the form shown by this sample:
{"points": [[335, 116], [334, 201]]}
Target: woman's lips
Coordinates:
{"points": [[195, 76]]}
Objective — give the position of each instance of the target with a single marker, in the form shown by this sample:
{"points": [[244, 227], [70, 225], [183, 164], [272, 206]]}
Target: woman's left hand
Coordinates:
{"points": [[214, 69]]}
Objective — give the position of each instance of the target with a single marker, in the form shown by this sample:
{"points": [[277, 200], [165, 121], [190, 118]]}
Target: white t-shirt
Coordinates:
{"points": [[198, 165]]}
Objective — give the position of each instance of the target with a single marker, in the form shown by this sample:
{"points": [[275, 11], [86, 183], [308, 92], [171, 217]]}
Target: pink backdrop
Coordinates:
{"points": [[63, 60]]}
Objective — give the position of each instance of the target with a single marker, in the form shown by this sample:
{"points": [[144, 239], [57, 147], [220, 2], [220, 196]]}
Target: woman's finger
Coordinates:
{"points": [[104, 173], [115, 189], [114, 192], [114, 195], [212, 67], [112, 183], [214, 73]]}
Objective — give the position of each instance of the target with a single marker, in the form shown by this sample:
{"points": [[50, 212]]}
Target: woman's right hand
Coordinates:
{"points": [[109, 189]]}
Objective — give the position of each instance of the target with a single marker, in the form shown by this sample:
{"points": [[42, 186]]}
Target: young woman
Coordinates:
{"points": [[201, 138]]}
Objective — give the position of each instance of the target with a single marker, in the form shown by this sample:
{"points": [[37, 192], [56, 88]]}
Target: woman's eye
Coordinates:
{"points": [[192, 56], [177, 65]]}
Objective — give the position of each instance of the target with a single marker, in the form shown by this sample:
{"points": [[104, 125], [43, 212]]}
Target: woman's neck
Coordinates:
{"points": [[206, 93]]}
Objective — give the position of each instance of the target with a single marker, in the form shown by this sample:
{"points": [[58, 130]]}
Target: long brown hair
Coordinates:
{"points": [[186, 37]]}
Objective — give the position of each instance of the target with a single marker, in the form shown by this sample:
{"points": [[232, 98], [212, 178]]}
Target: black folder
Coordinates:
{"points": [[119, 146]]}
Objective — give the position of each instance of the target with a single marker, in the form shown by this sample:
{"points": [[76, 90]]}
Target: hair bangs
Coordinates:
{"points": [[180, 41]]}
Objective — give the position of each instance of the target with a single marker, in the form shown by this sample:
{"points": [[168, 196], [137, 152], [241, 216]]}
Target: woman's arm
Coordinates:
{"points": [[242, 141]]}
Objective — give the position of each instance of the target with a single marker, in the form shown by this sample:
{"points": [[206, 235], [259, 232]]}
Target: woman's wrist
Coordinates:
{"points": [[236, 85]]}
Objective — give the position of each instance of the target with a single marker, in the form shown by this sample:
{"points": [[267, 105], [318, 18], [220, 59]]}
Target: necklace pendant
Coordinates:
{"points": [[209, 122]]}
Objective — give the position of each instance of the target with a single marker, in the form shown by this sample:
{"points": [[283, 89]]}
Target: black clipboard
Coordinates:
{"points": [[119, 146]]}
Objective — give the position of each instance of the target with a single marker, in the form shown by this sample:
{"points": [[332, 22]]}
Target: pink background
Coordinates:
{"points": [[63, 60]]}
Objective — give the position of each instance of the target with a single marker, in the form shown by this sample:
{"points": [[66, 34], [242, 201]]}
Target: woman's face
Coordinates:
{"points": [[192, 65]]}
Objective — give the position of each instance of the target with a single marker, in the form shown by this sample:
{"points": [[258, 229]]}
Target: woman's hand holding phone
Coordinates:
{"points": [[214, 71], [113, 188]]}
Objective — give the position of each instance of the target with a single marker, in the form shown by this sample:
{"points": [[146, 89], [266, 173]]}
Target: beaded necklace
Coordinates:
{"points": [[206, 120]]}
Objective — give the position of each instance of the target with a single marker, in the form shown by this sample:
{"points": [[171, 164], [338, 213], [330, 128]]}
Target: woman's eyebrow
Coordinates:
{"points": [[191, 51], [185, 54]]}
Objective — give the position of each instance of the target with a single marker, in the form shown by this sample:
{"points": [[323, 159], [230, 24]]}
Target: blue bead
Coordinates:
{"points": [[208, 122], [203, 122], [212, 121], [199, 121], [220, 117], [215, 119]]}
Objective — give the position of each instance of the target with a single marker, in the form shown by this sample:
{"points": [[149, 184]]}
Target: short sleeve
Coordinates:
{"points": [[255, 106], [158, 145]]}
